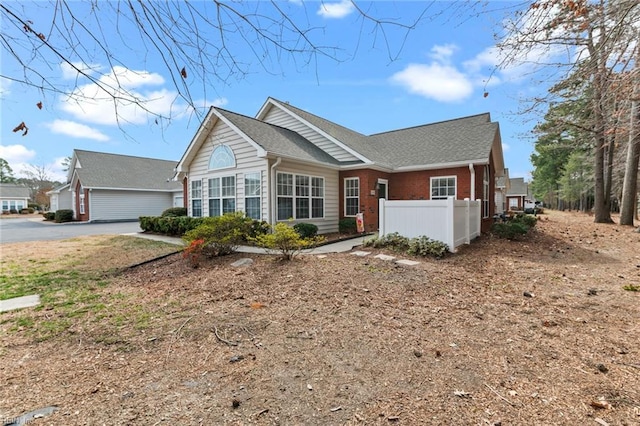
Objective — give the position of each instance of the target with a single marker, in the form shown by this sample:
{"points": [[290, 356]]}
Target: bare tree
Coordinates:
{"points": [[199, 43], [597, 40]]}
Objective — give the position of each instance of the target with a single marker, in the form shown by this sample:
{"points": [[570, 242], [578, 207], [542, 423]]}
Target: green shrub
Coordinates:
{"points": [[526, 219], [509, 230], [24, 211], [258, 227], [63, 215], [13, 211], [49, 215], [286, 240], [221, 235], [393, 241], [423, 246], [347, 225], [33, 206], [306, 230], [175, 226], [174, 212]]}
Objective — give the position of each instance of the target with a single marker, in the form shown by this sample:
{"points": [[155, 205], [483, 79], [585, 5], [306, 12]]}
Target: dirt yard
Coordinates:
{"points": [[539, 331]]}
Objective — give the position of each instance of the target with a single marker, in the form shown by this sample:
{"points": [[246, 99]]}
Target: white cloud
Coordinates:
{"points": [[5, 85], [124, 101], [443, 53], [16, 153], [505, 147], [76, 130], [336, 10], [436, 81]]}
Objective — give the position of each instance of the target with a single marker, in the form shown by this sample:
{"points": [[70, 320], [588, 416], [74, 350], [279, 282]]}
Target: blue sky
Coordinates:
{"points": [[441, 72]]}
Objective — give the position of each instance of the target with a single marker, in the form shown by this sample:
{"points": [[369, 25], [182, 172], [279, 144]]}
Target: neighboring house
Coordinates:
{"points": [[60, 198], [13, 197], [517, 194], [502, 187], [288, 163], [111, 187]]}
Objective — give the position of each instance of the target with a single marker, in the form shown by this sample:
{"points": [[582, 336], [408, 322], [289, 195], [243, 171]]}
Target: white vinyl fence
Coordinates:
{"points": [[454, 222]]}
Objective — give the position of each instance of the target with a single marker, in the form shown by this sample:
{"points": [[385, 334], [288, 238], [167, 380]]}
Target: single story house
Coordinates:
{"points": [[60, 198], [517, 194], [13, 197], [111, 187], [287, 163]]}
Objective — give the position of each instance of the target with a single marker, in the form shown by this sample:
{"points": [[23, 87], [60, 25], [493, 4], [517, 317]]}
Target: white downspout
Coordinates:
{"points": [[272, 189], [473, 181]]}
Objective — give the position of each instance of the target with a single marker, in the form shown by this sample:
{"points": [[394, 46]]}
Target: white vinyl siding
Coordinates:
{"points": [[246, 162], [106, 205], [281, 118]]}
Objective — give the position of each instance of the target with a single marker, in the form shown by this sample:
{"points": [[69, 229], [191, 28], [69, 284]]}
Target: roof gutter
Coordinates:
{"points": [[473, 181], [272, 189]]}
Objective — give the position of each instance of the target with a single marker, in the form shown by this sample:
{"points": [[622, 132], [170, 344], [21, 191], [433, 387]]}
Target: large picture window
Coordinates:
{"points": [[443, 187], [351, 196], [196, 198], [222, 195], [300, 196], [252, 190]]}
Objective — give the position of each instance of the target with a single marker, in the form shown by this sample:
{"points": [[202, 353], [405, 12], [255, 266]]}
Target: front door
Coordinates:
{"points": [[383, 189]]}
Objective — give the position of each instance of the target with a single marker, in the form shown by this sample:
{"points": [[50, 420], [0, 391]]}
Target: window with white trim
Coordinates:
{"points": [[513, 203], [485, 192], [302, 200], [222, 157], [196, 198], [222, 195], [443, 187], [252, 191], [351, 196], [82, 208], [5, 205]]}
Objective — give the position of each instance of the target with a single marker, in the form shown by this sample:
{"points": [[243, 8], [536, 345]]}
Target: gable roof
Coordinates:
{"points": [[11, 190], [100, 170], [518, 187], [452, 143]]}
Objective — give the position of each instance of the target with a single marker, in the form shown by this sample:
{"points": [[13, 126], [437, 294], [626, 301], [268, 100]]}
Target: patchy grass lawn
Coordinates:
{"points": [[538, 331]]}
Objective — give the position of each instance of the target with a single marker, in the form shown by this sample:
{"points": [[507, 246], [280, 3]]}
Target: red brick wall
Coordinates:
{"points": [[368, 203]]}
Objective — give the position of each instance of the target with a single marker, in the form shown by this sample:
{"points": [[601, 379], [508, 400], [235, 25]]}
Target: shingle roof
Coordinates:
{"points": [[459, 140], [518, 187], [10, 190], [113, 171], [278, 140]]}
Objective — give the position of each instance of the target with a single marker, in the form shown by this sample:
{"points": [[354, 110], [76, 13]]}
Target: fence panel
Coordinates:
{"points": [[454, 222]]}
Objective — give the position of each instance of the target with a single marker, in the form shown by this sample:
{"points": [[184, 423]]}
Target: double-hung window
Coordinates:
{"points": [[351, 196], [443, 187], [299, 196], [196, 198], [252, 190], [222, 195]]}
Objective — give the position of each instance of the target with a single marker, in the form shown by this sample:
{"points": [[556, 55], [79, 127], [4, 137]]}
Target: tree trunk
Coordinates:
{"points": [[629, 187]]}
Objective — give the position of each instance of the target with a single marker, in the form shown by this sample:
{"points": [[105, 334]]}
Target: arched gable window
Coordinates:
{"points": [[222, 158]]}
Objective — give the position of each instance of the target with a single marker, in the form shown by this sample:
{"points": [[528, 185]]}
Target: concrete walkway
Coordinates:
{"points": [[19, 303]]}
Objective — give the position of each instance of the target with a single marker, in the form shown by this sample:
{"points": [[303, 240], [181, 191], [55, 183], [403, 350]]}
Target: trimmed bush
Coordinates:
{"points": [[526, 219], [221, 235], [63, 215], [423, 246], [509, 230], [172, 226], [347, 225], [306, 230], [49, 215], [286, 240], [258, 227], [25, 211], [393, 241], [174, 212], [13, 211]]}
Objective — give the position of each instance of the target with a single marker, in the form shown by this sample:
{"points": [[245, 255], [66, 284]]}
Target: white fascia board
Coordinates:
{"points": [[465, 163], [367, 166], [320, 131], [130, 189], [196, 141]]}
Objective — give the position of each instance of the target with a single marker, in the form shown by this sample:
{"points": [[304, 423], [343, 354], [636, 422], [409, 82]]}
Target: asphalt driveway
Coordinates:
{"points": [[15, 230]]}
